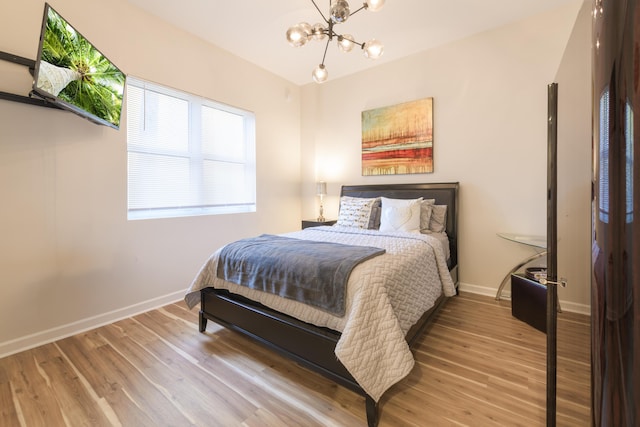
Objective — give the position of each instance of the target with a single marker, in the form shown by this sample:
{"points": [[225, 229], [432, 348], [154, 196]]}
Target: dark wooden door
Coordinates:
{"points": [[615, 303]]}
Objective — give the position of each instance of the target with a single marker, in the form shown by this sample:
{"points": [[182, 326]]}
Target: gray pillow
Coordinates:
{"points": [[438, 221]]}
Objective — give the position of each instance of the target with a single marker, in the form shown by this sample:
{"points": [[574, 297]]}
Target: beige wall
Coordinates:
{"points": [[574, 162], [490, 107], [69, 259]]}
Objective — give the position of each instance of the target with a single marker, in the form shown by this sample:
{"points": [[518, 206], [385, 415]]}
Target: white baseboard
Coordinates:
{"points": [[483, 290], [34, 340]]}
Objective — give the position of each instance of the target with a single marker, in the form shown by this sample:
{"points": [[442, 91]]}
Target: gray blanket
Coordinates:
{"points": [[311, 272]]}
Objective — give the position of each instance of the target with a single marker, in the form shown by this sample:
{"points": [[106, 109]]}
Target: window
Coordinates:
{"points": [[628, 176], [604, 157], [187, 155]]}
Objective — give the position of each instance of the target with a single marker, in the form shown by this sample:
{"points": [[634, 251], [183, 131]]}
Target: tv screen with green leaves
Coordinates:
{"points": [[72, 73]]}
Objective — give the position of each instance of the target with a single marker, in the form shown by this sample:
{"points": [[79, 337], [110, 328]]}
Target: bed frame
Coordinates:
{"points": [[310, 345]]}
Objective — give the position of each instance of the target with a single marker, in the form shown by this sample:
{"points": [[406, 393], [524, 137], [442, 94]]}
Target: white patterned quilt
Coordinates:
{"points": [[386, 295]]}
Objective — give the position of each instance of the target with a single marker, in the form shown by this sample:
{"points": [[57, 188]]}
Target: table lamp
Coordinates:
{"points": [[321, 190]]}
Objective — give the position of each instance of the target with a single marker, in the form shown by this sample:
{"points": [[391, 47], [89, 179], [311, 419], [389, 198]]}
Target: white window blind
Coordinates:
{"points": [[604, 157], [628, 137], [187, 155]]}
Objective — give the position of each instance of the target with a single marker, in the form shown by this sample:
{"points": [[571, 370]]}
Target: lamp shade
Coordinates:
{"points": [[373, 49], [298, 35], [318, 32], [321, 188], [339, 11], [345, 43], [374, 5], [320, 74]]}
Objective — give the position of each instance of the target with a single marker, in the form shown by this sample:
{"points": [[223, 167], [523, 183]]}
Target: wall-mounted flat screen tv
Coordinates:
{"points": [[72, 73]]}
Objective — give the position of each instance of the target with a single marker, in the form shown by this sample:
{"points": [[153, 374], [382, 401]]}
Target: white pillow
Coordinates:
{"points": [[400, 215], [438, 220], [355, 212]]}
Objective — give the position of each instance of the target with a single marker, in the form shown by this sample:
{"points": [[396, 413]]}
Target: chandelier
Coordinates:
{"points": [[299, 34]]}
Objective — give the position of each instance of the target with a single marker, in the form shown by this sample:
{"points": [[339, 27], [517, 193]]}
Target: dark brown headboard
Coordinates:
{"points": [[444, 193]]}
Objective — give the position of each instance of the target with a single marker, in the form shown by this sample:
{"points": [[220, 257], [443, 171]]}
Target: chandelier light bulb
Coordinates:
{"points": [[298, 35], [339, 11], [374, 5], [345, 43], [373, 49], [320, 74], [306, 29], [318, 32]]}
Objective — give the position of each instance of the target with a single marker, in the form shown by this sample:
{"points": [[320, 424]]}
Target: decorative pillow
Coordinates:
{"points": [[400, 215], [374, 219], [438, 221], [426, 208], [355, 212]]}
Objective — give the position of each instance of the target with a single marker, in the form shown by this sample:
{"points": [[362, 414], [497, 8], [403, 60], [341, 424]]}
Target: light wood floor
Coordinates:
{"points": [[476, 366]]}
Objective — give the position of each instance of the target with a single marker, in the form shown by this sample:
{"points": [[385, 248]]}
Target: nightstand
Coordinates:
{"points": [[529, 301], [306, 223]]}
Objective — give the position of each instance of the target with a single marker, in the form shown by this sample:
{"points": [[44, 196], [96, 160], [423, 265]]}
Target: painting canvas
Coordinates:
{"points": [[398, 139]]}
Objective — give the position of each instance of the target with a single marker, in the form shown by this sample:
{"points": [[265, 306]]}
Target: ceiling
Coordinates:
{"points": [[255, 29]]}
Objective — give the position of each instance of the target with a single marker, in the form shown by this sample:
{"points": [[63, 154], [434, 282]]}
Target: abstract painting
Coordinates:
{"points": [[398, 139]]}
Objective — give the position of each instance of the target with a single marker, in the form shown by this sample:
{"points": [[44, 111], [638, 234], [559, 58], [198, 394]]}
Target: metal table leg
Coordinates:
{"points": [[516, 268]]}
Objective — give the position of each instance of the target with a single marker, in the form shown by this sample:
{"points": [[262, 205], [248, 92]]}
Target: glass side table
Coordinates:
{"points": [[539, 243]]}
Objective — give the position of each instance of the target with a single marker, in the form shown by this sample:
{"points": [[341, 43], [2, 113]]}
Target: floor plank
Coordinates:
{"points": [[476, 365]]}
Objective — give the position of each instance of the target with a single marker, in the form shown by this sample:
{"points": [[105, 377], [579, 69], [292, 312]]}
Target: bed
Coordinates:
{"points": [[332, 344]]}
